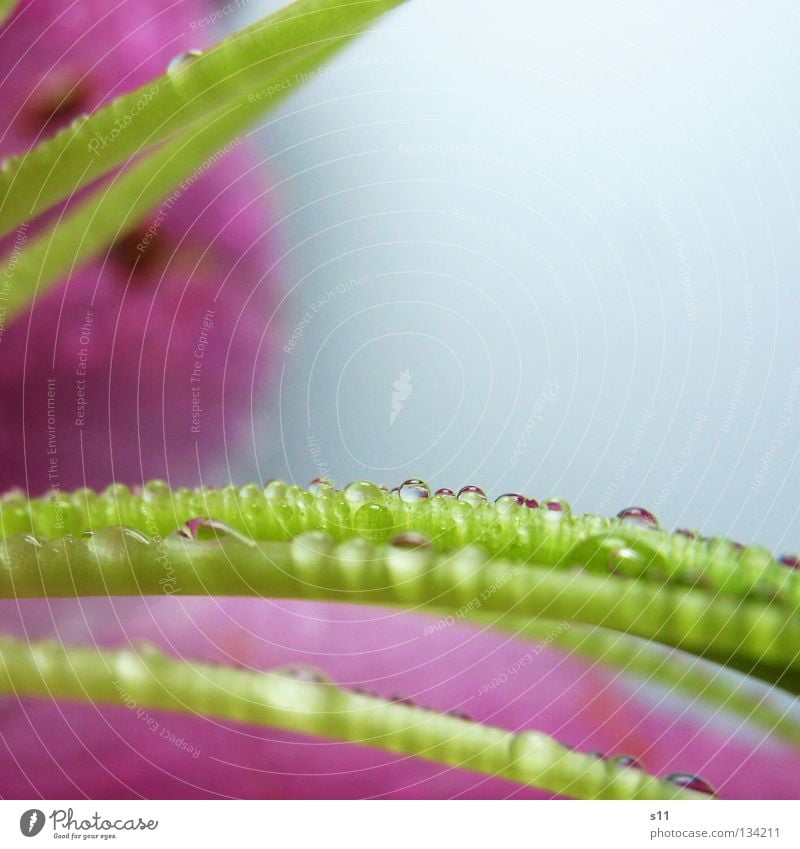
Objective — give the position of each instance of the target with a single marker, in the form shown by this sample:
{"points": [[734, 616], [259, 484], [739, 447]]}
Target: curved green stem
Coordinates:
{"points": [[152, 680], [694, 678], [563, 541], [116, 561]]}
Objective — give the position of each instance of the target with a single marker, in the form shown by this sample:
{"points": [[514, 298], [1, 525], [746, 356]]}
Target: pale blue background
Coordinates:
{"points": [[576, 225]]}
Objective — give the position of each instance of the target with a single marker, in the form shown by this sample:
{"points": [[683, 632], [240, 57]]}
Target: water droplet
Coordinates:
{"points": [[638, 516], [410, 551], [626, 561], [473, 495], [510, 500], [361, 492], [790, 560], [684, 532], [373, 521], [204, 528], [532, 503], [14, 494], [320, 485], [303, 672], [131, 534], [183, 60], [310, 548], [275, 490], [459, 714], [414, 490], [627, 760], [411, 540], [355, 550], [447, 493], [691, 782]]}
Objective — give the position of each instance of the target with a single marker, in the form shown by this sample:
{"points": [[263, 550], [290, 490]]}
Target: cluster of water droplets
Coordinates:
{"points": [[681, 779], [182, 61]]}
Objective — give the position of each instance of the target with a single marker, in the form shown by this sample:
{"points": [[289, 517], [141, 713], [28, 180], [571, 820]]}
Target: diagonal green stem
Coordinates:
{"points": [[111, 211], [74, 157], [152, 680]]}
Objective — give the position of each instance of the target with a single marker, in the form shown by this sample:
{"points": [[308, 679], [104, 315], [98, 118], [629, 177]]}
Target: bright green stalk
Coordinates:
{"points": [[245, 61], [89, 228], [6, 8], [118, 561], [151, 680], [701, 681]]}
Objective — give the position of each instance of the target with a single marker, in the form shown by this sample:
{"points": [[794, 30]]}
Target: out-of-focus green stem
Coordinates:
{"points": [[151, 680]]}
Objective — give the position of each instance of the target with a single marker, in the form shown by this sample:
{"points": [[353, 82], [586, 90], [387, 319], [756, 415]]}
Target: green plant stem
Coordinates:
{"points": [[60, 166], [153, 681], [87, 229], [115, 562], [696, 679]]}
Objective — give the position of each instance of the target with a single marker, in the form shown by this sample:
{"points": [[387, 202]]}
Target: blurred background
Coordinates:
{"points": [[540, 247], [549, 248]]}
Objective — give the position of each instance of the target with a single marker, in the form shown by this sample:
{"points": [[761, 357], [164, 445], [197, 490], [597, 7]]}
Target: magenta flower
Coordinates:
{"points": [[123, 373]]}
